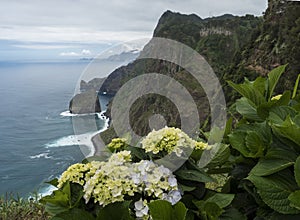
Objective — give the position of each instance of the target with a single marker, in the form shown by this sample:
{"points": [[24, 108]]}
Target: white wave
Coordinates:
{"points": [[69, 114], [81, 139], [42, 155], [46, 191]]}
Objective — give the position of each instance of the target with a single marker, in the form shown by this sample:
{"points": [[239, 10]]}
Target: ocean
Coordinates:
{"points": [[37, 141]]}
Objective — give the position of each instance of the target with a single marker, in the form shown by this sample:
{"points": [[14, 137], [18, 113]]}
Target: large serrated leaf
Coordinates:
{"points": [[275, 190], [279, 113], [221, 199], [273, 78], [232, 214], [248, 91], [163, 210], [115, 211], [264, 109], [248, 143], [194, 175], [75, 214], [255, 144], [267, 167], [220, 158], [288, 129], [208, 210], [295, 199], [275, 160], [247, 110]]}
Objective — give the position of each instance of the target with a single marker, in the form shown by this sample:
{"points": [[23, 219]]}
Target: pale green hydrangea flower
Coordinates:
{"points": [[75, 174], [170, 140], [117, 143], [201, 145]]}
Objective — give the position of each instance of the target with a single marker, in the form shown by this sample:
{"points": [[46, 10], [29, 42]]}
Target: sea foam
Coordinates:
{"points": [[80, 139]]}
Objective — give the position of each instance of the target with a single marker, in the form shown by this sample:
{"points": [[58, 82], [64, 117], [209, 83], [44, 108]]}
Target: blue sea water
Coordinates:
{"points": [[36, 142]]}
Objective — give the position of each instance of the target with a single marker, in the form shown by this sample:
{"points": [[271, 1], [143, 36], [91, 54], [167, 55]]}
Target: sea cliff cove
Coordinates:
{"points": [[150, 110]]}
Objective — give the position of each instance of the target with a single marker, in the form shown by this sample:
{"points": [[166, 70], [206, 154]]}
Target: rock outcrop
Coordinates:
{"points": [[85, 102]]}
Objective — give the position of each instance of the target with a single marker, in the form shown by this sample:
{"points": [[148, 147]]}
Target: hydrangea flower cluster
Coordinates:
{"points": [[117, 143], [75, 173], [168, 140], [110, 181]]}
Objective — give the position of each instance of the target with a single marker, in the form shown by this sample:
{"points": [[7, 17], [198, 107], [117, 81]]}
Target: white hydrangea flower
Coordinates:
{"points": [[173, 196], [141, 209]]}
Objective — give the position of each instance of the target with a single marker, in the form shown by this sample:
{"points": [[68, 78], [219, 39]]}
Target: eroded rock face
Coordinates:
{"points": [[85, 102]]}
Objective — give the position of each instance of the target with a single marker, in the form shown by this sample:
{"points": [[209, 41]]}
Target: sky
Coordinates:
{"points": [[61, 29]]}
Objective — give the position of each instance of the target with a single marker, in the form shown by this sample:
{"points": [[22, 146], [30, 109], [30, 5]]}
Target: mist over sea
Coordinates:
{"points": [[37, 143]]}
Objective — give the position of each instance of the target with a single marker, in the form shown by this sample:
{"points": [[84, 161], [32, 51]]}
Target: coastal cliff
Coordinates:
{"points": [[234, 46], [84, 103]]}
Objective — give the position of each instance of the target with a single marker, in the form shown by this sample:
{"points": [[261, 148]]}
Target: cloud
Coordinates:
{"points": [[83, 53], [86, 52], [96, 21], [43, 46]]}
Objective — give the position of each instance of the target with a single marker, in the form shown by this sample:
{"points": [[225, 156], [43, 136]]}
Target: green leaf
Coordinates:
{"points": [[53, 182], [288, 129], [247, 110], [255, 144], [260, 84], [275, 189], [273, 78], [179, 211], [296, 87], [163, 210], [115, 211], [185, 188], [138, 152], [248, 91], [54, 209], [237, 141], [249, 143], [264, 109], [58, 201], [208, 210], [76, 194], [193, 175], [279, 113], [228, 127], [232, 214], [221, 157], [295, 199], [221, 199], [297, 171], [275, 160], [75, 214]]}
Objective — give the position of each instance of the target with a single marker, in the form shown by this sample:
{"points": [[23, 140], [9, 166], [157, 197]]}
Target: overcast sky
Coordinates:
{"points": [[64, 25]]}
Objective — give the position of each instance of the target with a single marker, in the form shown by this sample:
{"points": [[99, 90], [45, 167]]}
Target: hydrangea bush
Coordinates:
{"points": [[254, 174], [131, 185]]}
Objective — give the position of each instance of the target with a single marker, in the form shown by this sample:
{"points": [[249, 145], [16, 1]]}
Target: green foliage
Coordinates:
{"points": [[115, 211], [16, 208], [163, 210], [267, 138]]}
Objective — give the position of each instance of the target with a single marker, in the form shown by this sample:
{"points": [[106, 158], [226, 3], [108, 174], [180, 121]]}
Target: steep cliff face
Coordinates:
{"points": [[235, 47], [217, 39], [275, 43]]}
